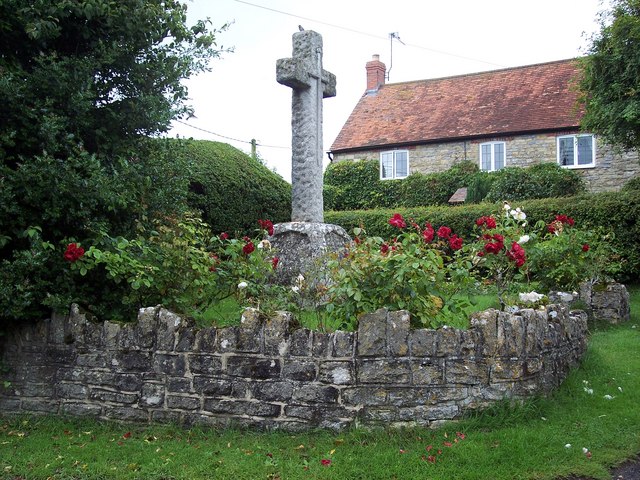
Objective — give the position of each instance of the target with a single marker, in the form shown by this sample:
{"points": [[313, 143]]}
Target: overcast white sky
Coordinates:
{"points": [[241, 99]]}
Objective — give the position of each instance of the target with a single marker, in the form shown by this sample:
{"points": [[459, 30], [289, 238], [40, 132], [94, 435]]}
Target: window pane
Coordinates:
{"points": [[498, 156], [386, 165], [486, 157], [585, 150], [401, 164], [565, 145]]}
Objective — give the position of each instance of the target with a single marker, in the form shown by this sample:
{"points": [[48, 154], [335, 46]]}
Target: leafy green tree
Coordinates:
{"points": [[84, 86], [610, 83]]}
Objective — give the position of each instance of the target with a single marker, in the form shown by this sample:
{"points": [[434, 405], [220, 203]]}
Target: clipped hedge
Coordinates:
{"points": [[544, 180], [231, 189], [618, 212]]}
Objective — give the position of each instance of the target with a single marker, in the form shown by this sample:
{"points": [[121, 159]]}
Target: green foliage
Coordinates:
{"points": [[632, 185], [544, 180], [406, 272], [231, 189], [419, 190], [83, 86], [616, 212], [357, 184], [610, 83]]}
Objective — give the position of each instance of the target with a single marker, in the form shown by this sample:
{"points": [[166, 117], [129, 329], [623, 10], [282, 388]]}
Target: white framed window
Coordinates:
{"points": [[394, 164], [492, 156], [577, 151]]}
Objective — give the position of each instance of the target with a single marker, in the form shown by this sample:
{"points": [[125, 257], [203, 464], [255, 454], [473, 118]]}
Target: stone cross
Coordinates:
{"points": [[310, 84]]}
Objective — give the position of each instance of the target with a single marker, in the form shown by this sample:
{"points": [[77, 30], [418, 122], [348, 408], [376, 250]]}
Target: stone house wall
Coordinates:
{"points": [[612, 169], [263, 374]]}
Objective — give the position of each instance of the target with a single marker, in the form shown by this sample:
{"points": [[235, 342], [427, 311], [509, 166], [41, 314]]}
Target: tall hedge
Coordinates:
{"points": [[233, 190], [618, 212]]}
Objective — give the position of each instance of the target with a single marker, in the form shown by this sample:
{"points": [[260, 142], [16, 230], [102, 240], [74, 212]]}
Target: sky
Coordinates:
{"points": [[240, 100]]}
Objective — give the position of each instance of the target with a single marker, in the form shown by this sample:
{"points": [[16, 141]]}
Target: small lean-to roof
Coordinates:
{"points": [[517, 100]]}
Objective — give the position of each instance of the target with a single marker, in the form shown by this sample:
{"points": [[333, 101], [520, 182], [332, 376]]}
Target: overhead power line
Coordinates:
{"points": [[228, 138], [360, 32]]}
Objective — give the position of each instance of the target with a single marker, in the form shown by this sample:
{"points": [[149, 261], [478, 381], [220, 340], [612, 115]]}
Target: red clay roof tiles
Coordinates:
{"points": [[514, 100]]}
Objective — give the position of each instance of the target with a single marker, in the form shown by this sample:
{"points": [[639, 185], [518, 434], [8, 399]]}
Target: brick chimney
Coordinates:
{"points": [[376, 72]]}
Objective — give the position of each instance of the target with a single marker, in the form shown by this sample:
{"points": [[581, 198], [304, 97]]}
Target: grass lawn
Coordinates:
{"points": [[541, 439]]}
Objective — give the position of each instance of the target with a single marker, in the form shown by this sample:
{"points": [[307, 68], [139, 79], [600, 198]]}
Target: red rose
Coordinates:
{"points": [[384, 248], [585, 247], [224, 236], [73, 252], [444, 232], [428, 233], [397, 221], [274, 262], [455, 242], [248, 248], [517, 254], [266, 225]]}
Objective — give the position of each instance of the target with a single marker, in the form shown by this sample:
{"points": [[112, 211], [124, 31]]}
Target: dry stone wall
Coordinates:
{"points": [[264, 374]]}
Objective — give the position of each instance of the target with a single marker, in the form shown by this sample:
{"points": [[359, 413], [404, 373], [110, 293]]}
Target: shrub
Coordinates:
{"points": [[615, 212], [231, 189], [544, 180], [632, 185]]}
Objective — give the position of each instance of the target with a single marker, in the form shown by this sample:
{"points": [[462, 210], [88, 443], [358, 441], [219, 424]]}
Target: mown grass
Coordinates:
{"points": [[508, 442]]}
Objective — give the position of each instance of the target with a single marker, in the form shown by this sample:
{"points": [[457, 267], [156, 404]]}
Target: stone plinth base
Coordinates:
{"points": [[608, 301], [303, 247]]}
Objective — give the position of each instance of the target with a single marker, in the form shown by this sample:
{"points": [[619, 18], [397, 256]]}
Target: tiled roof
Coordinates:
{"points": [[514, 100]]}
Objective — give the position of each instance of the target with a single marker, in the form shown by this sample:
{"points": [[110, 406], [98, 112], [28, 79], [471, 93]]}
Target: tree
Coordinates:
{"points": [[84, 85], [610, 83]]}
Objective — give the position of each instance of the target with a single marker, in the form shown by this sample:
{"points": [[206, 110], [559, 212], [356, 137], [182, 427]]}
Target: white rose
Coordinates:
{"points": [[242, 285], [523, 239]]}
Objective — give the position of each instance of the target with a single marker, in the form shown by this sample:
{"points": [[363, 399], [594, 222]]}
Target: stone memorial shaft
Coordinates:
{"points": [[310, 84]]}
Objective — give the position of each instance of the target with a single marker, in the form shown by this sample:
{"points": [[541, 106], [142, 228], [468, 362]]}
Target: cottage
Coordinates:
{"points": [[510, 117]]}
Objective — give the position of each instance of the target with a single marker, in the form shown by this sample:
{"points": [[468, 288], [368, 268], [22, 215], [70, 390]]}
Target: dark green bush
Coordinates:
{"points": [[232, 190], [545, 180], [479, 186], [615, 212], [632, 185]]}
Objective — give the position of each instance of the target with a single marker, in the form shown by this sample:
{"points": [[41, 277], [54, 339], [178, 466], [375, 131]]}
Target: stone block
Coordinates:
{"points": [[447, 342], [322, 345], [110, 334], [427, 372], [114, 396], [250, 331], [212, 386], [152, 395], [466, 372], [205, 364], [364, 396], [167, 416], [30, 389], [343, 344], [386, 371], [337, 373], [168, 324], [227, 339], [127, 382], [504, 369], [55, 329], [40, 406], [178, 385], [379, 414], [437, 412], [206, 340], [398, 333], [146, 326], [9, 405], [132, 361], [186, 339], [126, 414], [300, 370], [239, 407], [81, 409], [312, 393], [273, 391], [511, 335], [372, 333], [422, 342], [183, 403], [300, 343], [253, 367], [486, 324], [92, 360], [169, 364], [189, 420], [68, 391], [276, 333]]}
